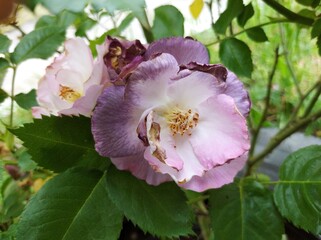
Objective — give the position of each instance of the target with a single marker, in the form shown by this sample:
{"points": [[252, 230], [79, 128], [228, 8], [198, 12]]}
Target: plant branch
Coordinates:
{"points": [[19, 29], [292, 16], [247, 29], [279, 137], [313, 100], [297, 108], [267, 103]]}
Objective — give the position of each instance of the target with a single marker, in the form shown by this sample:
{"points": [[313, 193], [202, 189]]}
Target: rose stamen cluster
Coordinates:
{"points": [[181, 121]]}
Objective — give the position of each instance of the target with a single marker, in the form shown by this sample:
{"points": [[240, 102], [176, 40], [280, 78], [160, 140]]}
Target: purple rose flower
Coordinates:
{"points": [[177, 118]]}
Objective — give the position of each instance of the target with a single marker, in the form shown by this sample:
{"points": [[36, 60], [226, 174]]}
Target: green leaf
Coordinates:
{"points": [[26, 100], [3, 95], [24, 160], [5, 43], [84, 26], [73, 205], [46, 21], [13, 200], [298, 194], [316, 28], [257, 34], [163, 25], [64, 19], [59, 143], [236, 55], [60, 5], [244, 211], [234, 8], [246, 14], [40, 43], [4, 65], [160, 210]]}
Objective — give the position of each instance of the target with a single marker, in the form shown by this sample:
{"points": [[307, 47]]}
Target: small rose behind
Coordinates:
{"points": [[73, 82], [176, 118]]}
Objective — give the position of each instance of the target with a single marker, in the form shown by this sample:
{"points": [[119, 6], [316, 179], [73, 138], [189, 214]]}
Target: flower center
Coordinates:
{"points": [[182, 121], [68, 94]]}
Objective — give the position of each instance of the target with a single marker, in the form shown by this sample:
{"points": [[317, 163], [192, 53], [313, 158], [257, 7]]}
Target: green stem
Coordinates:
{"points": [[292, 16], [12, 94], [278, 139], [146, 28], [19, 29], [288, 63], [247, 29], [297, 108], [267, 103]]}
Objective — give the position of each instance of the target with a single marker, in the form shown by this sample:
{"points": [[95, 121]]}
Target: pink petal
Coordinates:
{"points": [[235, 89], [185, 50], [221, 133], [190, 91], [148, 84], [218, 176], [137, 165]]}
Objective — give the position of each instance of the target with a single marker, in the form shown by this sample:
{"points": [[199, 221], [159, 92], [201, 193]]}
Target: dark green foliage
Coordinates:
{"points": [[160, 210], [5, 43], [59, 143], [26, 100], [244, 211], [298, 195], [247, 13], [236, 55], [257, 34], [73, 205]]}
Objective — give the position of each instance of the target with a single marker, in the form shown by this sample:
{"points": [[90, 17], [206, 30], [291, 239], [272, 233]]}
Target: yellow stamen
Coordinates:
{"points": [[68, 94], [182, 121]]}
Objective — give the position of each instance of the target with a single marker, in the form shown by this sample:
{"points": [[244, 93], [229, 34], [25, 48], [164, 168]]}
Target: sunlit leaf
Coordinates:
{"points": [[137, 7], [236, 55], [234, 8], [244, 211], [247, 13], [168, 22], [60, 5], [40, 43], [257, 34], [73, 205], [160, 210], [298, 194], [59, 143], [196, 8]]}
